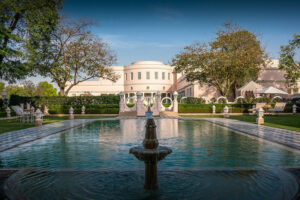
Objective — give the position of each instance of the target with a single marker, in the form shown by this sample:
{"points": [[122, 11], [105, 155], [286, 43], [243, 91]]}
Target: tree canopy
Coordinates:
{"points": [[76, 55], [45, 89], [226, 63], [25, 28], [288, 62], [29, 89]]}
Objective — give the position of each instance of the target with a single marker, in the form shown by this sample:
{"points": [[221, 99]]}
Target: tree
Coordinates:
{"points": [[25, 28], [15, 89], [226, 63], [2, 87], [45, 89], [77, 56], [288, 63], [29, 88]]}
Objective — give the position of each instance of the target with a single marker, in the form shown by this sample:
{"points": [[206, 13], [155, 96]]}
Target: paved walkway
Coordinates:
{"points": [[281, 136], [14, 138]]}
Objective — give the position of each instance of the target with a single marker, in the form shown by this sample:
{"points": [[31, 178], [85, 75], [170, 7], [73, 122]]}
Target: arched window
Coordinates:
{"points": [[131, 88], [148, 87]]}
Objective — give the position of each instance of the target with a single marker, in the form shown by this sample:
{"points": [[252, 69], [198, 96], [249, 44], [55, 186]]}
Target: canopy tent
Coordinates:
{"points": [[249, 87], [271, 90]]}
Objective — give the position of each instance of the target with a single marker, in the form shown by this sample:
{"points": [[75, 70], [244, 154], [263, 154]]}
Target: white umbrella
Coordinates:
{"points": [[271, 90]]}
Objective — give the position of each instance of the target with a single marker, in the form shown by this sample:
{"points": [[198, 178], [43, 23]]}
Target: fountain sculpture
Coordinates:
{"points": [[150, 153]]}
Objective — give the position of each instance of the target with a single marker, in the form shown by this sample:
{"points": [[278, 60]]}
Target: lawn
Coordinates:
{"points": [[14, 124], [289, 122]]}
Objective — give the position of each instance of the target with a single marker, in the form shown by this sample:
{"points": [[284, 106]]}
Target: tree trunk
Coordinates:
{"points": [[62, 91]]}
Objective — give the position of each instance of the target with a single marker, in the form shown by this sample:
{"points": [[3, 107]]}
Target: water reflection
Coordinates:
{"points": [[105, 145]]}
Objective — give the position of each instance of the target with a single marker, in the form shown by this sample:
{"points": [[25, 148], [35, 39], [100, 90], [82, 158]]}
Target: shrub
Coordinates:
{"points": [[3, 112], [207, 108], [77, 100], [89, 109]]}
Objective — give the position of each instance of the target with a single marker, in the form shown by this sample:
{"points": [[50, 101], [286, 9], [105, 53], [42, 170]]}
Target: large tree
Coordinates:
{"points": [[45, 89], [288, 62], [226, 63], [25, 28], [77, 56]]}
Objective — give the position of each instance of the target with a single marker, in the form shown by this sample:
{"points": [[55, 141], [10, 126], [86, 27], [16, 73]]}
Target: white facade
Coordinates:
{"points": [[147, 77], [150, 77]]}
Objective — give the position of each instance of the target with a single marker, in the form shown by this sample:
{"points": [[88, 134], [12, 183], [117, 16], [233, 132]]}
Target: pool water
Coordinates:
{"points": [[106, 144], [208, 161]]}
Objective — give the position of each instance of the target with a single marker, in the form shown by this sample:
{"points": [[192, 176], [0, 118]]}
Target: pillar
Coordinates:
{"points": [[38, 117], [122, 102], [140, 109], [151, 175], [226, 114], [71, 111], [175, 102], [260, 114], [8, 115]]}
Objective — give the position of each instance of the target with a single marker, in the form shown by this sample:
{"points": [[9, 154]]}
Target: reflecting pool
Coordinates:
{"points": [[105, 145], [208, 162]]}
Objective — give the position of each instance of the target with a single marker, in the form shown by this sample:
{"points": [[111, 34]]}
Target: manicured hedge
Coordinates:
{"points": [[207, 108], [95, 109], [77, 100], [89, 109], [3, 112]]}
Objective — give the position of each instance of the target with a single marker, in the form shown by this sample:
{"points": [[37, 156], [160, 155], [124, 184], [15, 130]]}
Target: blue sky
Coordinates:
{"points": [[157, 30]]}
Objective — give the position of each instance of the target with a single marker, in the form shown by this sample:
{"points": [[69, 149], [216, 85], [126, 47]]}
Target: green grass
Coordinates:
{"points": [[15, 124], [289, 122]]}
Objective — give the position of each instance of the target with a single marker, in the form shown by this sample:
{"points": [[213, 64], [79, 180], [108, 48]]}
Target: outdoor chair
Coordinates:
{"points": [[257, 106], [279, 107], [23, 116]]}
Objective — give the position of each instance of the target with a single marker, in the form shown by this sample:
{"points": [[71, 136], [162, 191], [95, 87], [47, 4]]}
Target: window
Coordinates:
{"points": [[156, 75], [169, 76], [126, 76], [164, 88], [131, 75], [148, 75], [148, 87], [139, 75], [163, 76], [131, 88]]}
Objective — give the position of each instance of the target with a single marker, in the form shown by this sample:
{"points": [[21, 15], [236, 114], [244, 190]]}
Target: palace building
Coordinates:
{"points": [[149, 77]]}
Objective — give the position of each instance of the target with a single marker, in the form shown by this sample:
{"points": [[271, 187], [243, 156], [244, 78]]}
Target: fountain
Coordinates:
{"points": [[150, 153]]}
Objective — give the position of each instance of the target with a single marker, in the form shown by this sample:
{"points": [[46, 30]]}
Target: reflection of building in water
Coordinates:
{"points": [[167, 128], [135, 128], [132, 129]]}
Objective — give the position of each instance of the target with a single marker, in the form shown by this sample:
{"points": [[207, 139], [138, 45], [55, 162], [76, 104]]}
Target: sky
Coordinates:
{"points": [[159, 29]]}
